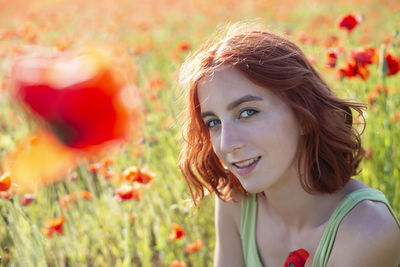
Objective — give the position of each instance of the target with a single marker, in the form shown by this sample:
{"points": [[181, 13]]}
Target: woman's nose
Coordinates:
{"points": [[230, 139]]}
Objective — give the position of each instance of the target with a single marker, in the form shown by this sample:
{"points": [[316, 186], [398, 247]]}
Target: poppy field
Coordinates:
{"points": [[129, 205]]}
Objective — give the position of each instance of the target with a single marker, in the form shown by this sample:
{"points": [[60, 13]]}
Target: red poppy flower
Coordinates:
{"points": [[107, 162], [140, 176], [131, 173], [82, 100], [27, 199], [297, 258], [126, 192], [194, 246], [80, 97], [54, 226], [146, 177], [332, 58], [84, 194], [177, 232], [353, 70], [95, 167], [364, 55], [378, 89], [393, 65], [5, 181], [349, 21], [183, 46], [372, 96]]}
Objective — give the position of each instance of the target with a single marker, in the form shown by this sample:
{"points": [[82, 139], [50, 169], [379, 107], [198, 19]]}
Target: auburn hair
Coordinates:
{"points": [[330, 148]]}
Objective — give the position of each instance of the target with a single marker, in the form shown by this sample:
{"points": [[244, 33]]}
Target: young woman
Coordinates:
{"points": [[279, 149]]}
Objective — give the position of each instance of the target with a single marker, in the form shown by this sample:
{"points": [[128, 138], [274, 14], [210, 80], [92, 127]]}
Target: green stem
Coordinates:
{"points": [[388, 140]]}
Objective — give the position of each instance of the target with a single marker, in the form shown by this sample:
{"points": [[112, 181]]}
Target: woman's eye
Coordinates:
{"points": [[212, 123], [247, 113]]}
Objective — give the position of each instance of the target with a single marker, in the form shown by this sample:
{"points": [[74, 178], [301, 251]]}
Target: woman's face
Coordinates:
{"points": [[252, 131]]}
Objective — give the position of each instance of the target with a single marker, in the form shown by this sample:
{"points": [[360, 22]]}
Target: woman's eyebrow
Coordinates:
{"points": [[243, 99], [206, 114]]}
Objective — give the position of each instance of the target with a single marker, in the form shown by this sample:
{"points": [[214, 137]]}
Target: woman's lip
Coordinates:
{"points": [[247, 169]]}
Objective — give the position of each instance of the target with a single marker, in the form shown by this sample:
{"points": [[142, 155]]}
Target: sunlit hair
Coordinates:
{"points": [[330, 147]]}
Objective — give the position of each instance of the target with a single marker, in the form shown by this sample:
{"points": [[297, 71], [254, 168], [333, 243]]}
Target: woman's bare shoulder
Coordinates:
{"points": [[229, 210], [228, 247], [367, 236]]}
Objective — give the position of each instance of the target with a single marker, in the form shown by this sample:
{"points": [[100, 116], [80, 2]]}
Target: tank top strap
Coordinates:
{"points": [[248, 231], [348, 203]]}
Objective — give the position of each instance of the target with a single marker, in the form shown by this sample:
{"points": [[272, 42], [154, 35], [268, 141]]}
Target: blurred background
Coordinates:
{"points": [[131, 207]]}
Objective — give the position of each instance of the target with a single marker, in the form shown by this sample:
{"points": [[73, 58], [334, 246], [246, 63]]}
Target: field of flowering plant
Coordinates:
{"points": [[130, 206]]}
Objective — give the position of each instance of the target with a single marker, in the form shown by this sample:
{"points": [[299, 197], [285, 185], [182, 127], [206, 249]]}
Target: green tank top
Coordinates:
{"points": [[249, 215]]}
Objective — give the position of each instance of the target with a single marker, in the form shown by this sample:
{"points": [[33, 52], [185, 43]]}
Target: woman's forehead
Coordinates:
{"points": [[229, 81], [229, 86]]}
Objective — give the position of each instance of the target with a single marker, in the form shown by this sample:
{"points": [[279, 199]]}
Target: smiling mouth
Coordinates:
{"points": [[246, 163]]}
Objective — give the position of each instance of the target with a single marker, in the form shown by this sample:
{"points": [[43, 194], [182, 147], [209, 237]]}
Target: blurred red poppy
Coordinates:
{"points": [[84, 194], [131, 173], [395, 117], [364, 55], [126, 192], [146, 177], [27, 199], [183, 46], [349, 21], [81, 97], [352, 69], [393, 65], [136, 175], [379, 89], [95, 167], [177, 232], [54, 226], [194, 246], [5, 181], [372, 95], [332, 58], [107, 162], [297, 258]]}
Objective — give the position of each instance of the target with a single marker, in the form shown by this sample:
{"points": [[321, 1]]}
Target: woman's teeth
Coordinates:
{"points": [[245, 163]]}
